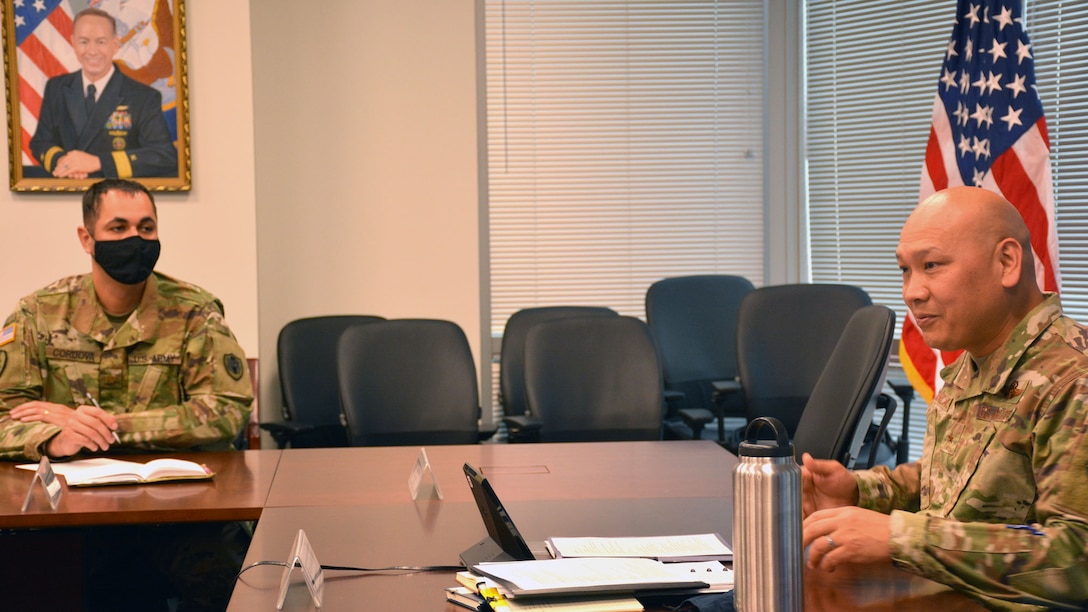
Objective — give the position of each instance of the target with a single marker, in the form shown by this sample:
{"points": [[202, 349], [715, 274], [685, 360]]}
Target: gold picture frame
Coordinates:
{"points": [[150, 64]]}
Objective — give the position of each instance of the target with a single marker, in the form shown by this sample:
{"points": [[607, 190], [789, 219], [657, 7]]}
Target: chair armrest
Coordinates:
{"points": [[725, 386], [696, 416], [283, 433], [522, 422], [523, 427], [723, 389], [889, 405], [696, 419], [672, 396]]}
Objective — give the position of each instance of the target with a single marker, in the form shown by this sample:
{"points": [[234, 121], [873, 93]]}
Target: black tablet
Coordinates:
{"points": [[504, 542]]}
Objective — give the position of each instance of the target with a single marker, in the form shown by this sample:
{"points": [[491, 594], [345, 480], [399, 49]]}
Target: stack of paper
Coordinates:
{"points": [[590, 575], [481, 594], [700, 547], [601, 574]]}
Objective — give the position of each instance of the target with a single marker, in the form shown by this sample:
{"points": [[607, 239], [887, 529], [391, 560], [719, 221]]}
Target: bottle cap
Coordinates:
{"points": [[752, 446]]}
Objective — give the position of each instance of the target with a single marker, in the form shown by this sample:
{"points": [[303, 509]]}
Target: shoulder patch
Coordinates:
{"points": [[7, 335], [234, 366]]}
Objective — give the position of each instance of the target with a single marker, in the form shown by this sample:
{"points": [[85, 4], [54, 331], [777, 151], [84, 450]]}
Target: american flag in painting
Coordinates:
{"points": [[43, 29], [988, 131]]}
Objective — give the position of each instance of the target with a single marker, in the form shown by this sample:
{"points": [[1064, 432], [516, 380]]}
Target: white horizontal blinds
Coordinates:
{"points": [[1058, 32], [624, 145], [872, 73]]}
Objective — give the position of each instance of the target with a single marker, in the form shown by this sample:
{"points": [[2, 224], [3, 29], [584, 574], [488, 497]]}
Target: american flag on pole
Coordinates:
{"points": [[988, 131], [43, 29]]}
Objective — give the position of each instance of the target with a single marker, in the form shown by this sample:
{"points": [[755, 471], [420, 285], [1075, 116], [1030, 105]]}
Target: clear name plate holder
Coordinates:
{"points": [[302, 556], [45, 475], [422, 483]]}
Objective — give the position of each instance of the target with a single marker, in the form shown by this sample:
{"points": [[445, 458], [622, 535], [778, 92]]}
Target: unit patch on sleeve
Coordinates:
{"points": [[234, 366]]}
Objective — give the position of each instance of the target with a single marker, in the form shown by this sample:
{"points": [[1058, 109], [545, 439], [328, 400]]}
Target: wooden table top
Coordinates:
{"points": [[321, 477], [238, 492], [434, 532]]}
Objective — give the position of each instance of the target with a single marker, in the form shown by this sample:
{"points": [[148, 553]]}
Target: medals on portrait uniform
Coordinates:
{"points": [[118, 126]]}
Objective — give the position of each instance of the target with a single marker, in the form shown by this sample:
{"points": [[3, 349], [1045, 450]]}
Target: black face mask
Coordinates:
{"points": [[129, 261]]}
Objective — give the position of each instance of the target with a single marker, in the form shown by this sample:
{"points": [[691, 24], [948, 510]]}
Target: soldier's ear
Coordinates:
{"points": [[1010, 257], [85, 239]]}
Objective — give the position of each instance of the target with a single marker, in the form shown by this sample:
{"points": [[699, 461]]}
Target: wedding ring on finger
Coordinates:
{"points": [[830, 543]]}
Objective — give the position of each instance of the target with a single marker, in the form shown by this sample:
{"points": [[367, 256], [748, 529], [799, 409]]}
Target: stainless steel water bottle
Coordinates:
{"points": [[767, 549]]}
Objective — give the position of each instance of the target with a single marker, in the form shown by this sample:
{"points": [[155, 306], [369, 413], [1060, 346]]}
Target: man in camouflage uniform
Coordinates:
{"points": [[125, 359], [998, 505]]}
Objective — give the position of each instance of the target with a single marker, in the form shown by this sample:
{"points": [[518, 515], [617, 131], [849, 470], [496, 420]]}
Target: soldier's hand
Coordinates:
{"points": [[825, 484], [44, 412], [88, 428], [847, 535]]}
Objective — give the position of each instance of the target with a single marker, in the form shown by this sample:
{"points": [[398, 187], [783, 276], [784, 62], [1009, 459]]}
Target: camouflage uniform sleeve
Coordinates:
{"points": [[21, 380], [216, 393], [1040, 565], [883, 489]]}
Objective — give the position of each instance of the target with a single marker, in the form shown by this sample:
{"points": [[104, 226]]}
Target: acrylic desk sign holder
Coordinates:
{"points": [[302, 555], [50, 485], [422, 483]]}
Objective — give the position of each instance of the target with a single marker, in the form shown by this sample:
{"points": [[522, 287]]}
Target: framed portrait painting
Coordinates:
{"points": [[96, 88]]}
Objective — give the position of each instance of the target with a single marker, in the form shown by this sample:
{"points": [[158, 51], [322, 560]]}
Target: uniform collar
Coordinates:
{"points": [[142, 325], [965, 375]]}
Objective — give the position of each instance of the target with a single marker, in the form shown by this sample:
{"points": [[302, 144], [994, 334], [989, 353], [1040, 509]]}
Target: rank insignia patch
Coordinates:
{"points": [[234, 366]]}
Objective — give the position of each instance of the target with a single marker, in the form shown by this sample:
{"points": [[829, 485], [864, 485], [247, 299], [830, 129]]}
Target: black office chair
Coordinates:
{"points": [[785, 336], [841, 406], [306, 356], [594, 379], [522, 426], [407, 382], [693, 320]]}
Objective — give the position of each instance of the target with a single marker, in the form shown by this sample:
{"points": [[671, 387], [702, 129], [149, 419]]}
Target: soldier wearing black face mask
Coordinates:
{"points": [[127, 359], [128, 260]]}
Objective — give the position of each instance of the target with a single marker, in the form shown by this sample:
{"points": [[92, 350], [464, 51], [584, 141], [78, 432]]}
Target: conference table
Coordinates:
{"points": [[356, 509], [44, 542], [237, 493]]}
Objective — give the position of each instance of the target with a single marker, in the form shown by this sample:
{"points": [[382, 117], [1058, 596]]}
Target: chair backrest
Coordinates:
{"points": [[306, 357], [693, 320], [408, 382], [785, 336], [592, 379], [512, 356], [841, 406]]}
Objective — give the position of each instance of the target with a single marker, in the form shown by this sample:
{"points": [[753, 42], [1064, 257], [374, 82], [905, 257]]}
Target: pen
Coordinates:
{"points": [[1028, 528], [116, 437]]}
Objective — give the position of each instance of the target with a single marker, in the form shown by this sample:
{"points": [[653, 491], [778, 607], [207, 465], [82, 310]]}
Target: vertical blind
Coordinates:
{"points": [[871, 77], [624, 145]]}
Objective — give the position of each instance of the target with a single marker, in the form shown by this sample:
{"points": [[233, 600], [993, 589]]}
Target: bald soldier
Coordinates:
{"points": [[125, 359], [997, 507]]}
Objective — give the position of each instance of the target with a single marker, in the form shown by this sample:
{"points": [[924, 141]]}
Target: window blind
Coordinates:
{"points": [[624, 145], [1058, 31]]}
